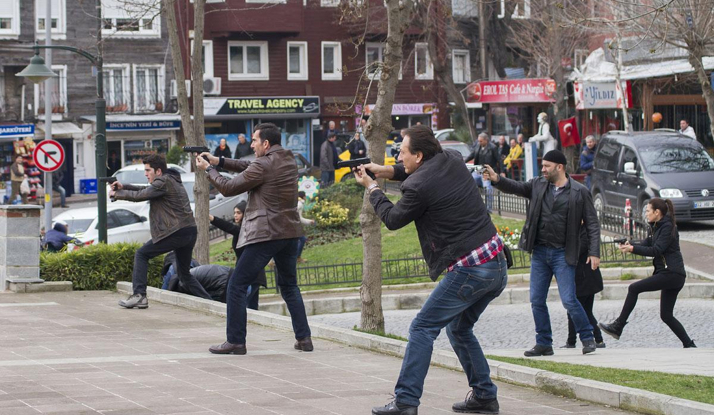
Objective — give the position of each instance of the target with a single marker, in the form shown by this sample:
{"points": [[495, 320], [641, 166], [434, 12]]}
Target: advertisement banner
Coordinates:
{"points": [[404, 109], [511, 91], [601, 95], [309, 106], [21, 130]]}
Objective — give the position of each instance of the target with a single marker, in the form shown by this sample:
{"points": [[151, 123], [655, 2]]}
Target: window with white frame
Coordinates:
{"points": [[331, 61], [579, 58], [521, 11], [116, 88], [149, 88], [248, 61], [461, 66], [297, 61], [58, 17], [374, 54], [58, 93], [138, 19], [9, 18], [329, 3], [423, 68], [206, 58]]}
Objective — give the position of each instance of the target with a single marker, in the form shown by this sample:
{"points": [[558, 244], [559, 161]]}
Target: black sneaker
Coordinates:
{"points": [[568, 346], [600, 344], [690, 345], [589, 346], [539, 350], [613, 329], [474, 405], [392, 408]]}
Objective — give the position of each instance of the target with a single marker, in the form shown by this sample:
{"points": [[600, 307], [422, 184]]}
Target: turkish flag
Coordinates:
{"points": [[569, 135]]}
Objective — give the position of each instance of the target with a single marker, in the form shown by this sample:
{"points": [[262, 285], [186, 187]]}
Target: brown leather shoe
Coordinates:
{"points": [[305, 344], [228, 348]]}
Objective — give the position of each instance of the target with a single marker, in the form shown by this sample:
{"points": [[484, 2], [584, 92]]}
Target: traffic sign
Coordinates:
{"points": [[48, 155]]}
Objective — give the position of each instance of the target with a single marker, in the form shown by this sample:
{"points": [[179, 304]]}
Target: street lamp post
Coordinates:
{"points": [[38, 72]]}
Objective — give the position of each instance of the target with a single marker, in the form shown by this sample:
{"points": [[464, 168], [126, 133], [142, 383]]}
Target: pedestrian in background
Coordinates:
{"points": [[357, 148], [222, 150], [587, 157], [559, 207], [305, 222], [234, 229], [686, 129], [271, 230], [243, 148], [17, 175], [435, 190], [57, 177], [328, 160], [588, 282], [485, 153], [172, 227], [662, 244]]}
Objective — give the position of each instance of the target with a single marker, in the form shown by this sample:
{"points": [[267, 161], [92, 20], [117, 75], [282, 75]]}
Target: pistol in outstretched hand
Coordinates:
{"points": [[355, 163], [197, 150]]}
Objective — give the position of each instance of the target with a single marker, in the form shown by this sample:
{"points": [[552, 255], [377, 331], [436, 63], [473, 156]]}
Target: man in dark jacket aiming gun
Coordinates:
{"points": [[436, 188], [558, 207]]}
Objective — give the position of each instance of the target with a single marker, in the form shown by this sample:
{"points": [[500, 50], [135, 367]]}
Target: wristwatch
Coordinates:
{"points": [[372, 187], [209, 168]]}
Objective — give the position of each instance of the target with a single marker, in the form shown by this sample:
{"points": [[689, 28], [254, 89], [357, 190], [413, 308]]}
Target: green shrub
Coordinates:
{"points": [[329, 214], [97, 267], [176, 155], [348, 194]]}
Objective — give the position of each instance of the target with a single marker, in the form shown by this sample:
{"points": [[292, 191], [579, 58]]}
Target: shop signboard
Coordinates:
{"points": [[601, 95], [18, 130], [404, 109], [310, 106], [143, 125], [511, 91]]}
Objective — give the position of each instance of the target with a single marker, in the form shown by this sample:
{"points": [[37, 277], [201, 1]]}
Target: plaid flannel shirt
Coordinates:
{"points": [[480, 255]]}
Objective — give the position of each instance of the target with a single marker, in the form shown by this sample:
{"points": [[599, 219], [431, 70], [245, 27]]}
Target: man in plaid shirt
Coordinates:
{"points": [[457, 236]]}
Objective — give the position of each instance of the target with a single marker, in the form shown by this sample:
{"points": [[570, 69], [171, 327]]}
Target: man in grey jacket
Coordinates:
{"points": [[172, 227], [559, 207], [328, 159]]}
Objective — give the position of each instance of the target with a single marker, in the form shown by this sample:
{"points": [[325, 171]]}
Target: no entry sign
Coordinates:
{"points": [[48, 155]]}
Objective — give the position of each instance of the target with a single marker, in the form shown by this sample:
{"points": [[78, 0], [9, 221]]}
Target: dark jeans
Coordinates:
{"points": [[63, 194], [301, 245], [182, 242], [254, 258], [253, 296], [587, 302], [546, 261], [456, 303], [327, 178], [671, 284]]}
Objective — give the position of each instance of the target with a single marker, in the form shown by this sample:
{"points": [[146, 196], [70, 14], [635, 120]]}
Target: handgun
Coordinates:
{"points": [[108, 180], [198, 150], [619, 241], [354, 163]]}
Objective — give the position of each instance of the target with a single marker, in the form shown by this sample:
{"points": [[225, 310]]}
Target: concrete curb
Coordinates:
{"points": [[39, 287], [570, 386]]}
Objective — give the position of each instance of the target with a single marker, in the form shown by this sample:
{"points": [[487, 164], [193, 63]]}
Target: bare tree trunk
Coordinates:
{"points": [[201, 189], [169, 11], [378, 127], [618, 82], [695, 59]]}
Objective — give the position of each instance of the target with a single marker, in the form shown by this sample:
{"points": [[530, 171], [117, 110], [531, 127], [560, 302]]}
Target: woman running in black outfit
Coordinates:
{"points": [[662, 244]]}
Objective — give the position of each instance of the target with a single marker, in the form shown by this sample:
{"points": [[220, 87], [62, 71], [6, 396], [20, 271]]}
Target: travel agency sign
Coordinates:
{"points": [[510, 91]]}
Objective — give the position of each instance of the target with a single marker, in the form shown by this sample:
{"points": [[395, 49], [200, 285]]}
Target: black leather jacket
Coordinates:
{"points": [[663, 245], [443, 201], [580, 209]]}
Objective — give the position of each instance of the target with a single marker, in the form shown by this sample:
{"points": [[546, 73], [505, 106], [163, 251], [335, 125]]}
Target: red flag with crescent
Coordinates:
{"points": [[569, 135]]}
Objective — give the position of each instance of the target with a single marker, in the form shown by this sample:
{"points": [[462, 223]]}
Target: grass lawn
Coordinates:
{"points": [[692, 387]]}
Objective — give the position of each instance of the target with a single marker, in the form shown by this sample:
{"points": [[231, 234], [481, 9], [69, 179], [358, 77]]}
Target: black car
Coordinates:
{"points": [[642, 165]]}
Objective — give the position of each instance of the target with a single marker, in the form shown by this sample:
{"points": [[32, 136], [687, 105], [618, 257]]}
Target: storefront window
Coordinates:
{"points": [[136, 150], [512, 120], [295, 135]]}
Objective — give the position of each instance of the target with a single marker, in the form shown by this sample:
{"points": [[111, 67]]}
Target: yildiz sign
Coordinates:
{"points": [[601, 95]]}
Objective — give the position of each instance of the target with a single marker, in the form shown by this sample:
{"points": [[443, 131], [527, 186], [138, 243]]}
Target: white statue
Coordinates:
{"points": [[544, 135]]}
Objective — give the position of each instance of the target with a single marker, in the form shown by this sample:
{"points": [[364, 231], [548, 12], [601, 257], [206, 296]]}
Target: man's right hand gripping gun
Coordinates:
{"points": [[354, 163], [197, 150], [108, 180]]}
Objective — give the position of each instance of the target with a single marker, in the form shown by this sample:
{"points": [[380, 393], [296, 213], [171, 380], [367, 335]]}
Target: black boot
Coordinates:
{"points": [[614, 329], [690, 345], [474, 405]]}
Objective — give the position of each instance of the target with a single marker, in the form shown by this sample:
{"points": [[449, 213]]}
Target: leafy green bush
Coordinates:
{"points": [[329, 214], [97, 267], [348, 194]]}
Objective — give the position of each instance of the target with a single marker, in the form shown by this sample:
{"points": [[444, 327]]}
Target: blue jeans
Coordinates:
{"points": [[301, 245], [456, 303], [486, 184], [327, 178], [254, 258], [545, 262]]}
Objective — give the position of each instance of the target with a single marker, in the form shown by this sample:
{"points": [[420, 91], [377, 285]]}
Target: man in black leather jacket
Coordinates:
{"points": [[558, 206]]}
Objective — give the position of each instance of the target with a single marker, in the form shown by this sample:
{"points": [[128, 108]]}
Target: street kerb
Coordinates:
{"points": [[569, 386]]}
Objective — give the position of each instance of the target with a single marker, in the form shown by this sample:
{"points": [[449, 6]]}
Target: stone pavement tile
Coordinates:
{"points": [[18, 411]]}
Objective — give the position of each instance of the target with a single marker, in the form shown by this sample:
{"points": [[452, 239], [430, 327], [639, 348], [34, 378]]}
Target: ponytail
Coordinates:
{"points": [[665, 206]]}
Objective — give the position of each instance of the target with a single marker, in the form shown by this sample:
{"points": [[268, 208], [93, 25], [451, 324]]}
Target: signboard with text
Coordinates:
{"points": [[511, 91], [601, 95], [310, 106], [21, 130], [143, 125]]}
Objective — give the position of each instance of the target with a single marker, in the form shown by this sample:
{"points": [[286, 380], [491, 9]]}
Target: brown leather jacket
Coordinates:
{"points": [[170, 208], [271, 183]]}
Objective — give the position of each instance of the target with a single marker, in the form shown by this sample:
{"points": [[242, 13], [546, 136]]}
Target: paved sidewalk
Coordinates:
{"points": [[79, 353]]}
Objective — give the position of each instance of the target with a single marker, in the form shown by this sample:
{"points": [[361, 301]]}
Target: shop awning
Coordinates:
{"points": [[597, 69], [61, 128]]}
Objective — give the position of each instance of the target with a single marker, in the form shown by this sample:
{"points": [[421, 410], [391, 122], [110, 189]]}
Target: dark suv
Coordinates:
{"points": [[642, 165]]}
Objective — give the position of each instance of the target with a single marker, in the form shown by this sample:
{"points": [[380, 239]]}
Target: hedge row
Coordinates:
{"points": [[97, 267]]}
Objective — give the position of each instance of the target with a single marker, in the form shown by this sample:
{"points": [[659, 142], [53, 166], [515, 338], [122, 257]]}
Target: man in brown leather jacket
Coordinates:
{"points": [[271, 229], [172, 227]]}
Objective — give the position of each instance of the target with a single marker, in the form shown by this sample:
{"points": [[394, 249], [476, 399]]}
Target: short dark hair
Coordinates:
{"points": [[156, 161], [421, 139], [301, 194], [269, 132], [330, 135]]}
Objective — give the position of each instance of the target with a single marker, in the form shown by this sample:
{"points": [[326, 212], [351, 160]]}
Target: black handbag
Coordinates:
{"points": [[507, 254]]}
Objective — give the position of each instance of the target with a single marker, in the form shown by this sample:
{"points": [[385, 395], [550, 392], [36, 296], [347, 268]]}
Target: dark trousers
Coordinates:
{"points": [[253, 296], [671, 284], [182, 242], [587, 302], [253, 259]]}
